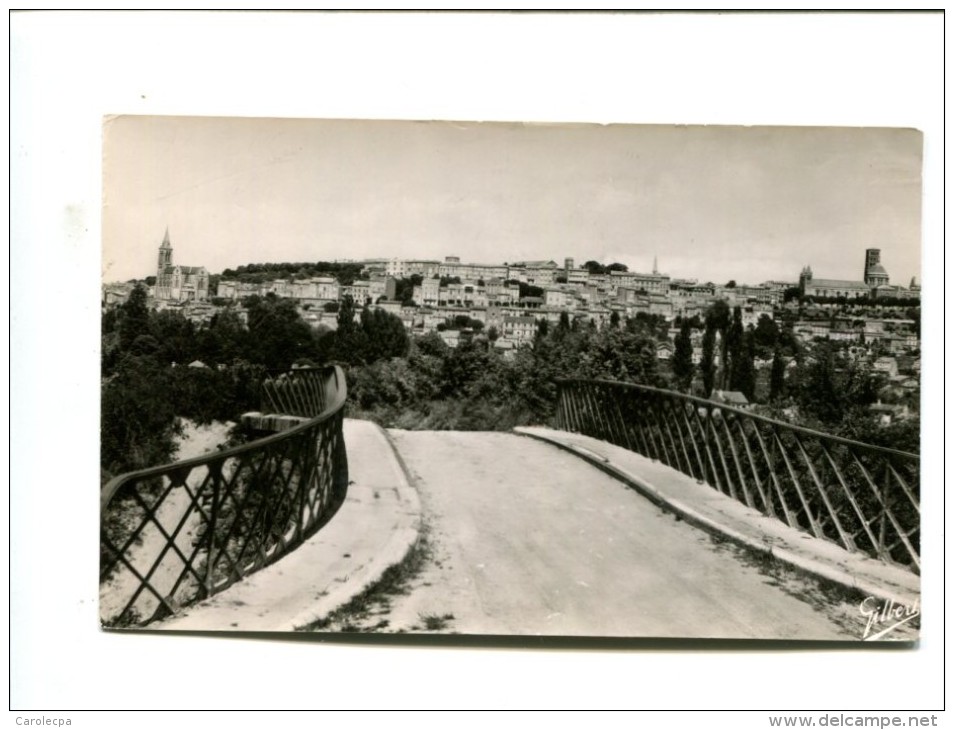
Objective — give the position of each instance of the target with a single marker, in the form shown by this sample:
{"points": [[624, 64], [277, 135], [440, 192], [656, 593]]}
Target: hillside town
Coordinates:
{"points": [[874, 321]]}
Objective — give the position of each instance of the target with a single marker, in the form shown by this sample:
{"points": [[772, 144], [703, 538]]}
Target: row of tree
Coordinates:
{"points": [[425, 384], [595, 268], [346, 273], [275, 335], [823, 386], [473, 386], [729, 351], [158, 366]]}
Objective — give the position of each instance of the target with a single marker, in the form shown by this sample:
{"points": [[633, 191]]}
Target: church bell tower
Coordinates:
{"points": [[165, 254]]}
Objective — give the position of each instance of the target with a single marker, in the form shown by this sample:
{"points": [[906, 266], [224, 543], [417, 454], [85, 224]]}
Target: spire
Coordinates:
{"points": [[165, 254], [655, 267]]}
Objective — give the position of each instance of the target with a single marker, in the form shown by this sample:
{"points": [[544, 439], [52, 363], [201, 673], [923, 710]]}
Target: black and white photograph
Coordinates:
{"points": [[511, 379], [469, 360]]}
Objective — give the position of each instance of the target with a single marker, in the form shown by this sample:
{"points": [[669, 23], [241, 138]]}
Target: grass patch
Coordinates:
{"points": [[375, 599], [433, 622], [839, 602]]}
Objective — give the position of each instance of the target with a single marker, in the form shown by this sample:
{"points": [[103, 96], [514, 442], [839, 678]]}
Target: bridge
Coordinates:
{"points": [[639, 512]]}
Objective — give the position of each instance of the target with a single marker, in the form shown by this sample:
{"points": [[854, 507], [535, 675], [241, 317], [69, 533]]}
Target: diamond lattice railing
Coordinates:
{"points": [[173, 535], [865, 498]]}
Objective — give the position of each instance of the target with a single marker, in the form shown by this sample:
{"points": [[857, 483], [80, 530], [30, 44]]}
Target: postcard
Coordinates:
{"points": [[511, 379]]}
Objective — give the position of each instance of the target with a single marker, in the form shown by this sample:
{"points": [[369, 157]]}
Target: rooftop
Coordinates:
{"points": [[839, 284]]}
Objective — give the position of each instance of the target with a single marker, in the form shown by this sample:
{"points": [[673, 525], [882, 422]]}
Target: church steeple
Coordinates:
{"points": [[165, 253]]}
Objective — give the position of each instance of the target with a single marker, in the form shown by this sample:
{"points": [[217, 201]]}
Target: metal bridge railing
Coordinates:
{"points": [[301, 392], [865, 498], [176, 534]]}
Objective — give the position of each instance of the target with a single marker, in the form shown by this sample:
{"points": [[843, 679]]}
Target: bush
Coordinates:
{"points": [[139, 425]]}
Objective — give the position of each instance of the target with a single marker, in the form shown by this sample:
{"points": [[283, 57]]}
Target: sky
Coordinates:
{"points": [[708, 202]]}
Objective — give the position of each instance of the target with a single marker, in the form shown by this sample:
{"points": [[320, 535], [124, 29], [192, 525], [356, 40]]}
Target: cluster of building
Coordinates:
{"points": [[875, 283], [496, 295], [492, 294], [895, 335]]}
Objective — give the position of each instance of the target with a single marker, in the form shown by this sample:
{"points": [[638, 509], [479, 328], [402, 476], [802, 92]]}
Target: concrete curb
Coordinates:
{"points": [[801, 563], [400, 542], [396, 550]]}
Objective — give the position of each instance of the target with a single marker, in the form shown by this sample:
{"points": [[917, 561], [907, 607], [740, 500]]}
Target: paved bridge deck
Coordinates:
{"points": [[522, 538], [711, 510]]}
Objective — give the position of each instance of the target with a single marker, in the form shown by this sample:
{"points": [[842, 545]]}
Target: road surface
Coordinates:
{"points": [[522, 538]]}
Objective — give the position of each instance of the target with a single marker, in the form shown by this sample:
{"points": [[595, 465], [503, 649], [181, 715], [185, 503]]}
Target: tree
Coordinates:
{"points": [[176, 337], [463, 365], [278, 336], [224, 340], [718, 320], [432, 345], [730, 284], [732, 349], [145, 346], [777, 380], [648, 325], [404, 288], [832, 386], [138, 424], [743, 367], [348, 345], [682, 366], [384, 335], [819, 394], [463, 321], [707, 365], [718, 316], [134, 317], [622, 355], [529, 290], [914, 314], [110, 321], [788, 340], [766, 335], [791, 293]]}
